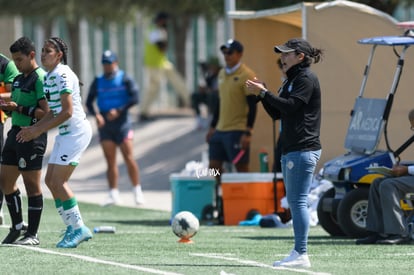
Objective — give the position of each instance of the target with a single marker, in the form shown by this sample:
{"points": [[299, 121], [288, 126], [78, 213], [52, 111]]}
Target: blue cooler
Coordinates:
{"points": [[190, 193]]}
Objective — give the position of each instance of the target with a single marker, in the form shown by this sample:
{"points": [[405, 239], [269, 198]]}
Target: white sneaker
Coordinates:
{"points": [[113, 198], [138, 195], [294, 260]]}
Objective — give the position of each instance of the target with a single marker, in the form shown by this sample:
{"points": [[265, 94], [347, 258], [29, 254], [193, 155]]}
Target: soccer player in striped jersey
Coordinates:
{"points": [[62, 89]]}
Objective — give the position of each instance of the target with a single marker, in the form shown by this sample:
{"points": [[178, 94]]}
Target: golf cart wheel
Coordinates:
{"points": [[327, 219], [352, 212]]}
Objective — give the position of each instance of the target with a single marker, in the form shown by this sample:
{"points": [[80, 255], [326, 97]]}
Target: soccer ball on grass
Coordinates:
{"points": [[185, 225]]}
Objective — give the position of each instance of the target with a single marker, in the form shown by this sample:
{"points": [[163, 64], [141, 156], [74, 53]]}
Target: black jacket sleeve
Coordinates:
{"points": [[283, 105], [91, 98], [216, 114], [272, 112], [251, 115]]}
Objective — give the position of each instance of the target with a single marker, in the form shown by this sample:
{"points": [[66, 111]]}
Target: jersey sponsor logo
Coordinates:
{"points": [[64, 157]]}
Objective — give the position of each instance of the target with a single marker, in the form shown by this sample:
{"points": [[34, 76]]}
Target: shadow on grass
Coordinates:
{"points": [[136, 222], [199, 265], [311, 239]]}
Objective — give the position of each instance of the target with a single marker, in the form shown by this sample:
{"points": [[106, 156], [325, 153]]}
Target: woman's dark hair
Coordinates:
{"points": [[300, 45], [279, 63], [313, 56], [23, 45], [61, 46]]}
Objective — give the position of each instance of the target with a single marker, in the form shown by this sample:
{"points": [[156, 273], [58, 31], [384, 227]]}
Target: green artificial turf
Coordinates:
{"points": [[144, 244]]}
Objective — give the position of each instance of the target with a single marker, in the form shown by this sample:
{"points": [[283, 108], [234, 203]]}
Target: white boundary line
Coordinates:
{"points": [[253, 263], [95, 260]]}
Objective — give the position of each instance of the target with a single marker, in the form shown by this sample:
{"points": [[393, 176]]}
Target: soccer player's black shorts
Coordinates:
{"points": [[116, 132], [26, 156]]}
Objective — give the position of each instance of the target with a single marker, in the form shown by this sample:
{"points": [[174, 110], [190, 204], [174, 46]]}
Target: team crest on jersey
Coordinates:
{"points": [[22, 163]]}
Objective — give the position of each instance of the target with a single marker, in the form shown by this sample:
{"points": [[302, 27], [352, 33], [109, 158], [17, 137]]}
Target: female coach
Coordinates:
{"points": [[298, 106]]}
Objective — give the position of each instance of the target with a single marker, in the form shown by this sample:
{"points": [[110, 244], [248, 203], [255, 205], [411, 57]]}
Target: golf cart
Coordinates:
{"points": [[342, 210]]}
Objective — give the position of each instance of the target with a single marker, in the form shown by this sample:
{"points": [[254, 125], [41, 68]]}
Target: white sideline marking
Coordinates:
{"points": [[95, 260], [253, 263]]}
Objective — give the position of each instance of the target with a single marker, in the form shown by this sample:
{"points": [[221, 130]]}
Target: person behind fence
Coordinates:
{"points": [[208, 93], [386, 222], [298, 106], [157, 67], [74, 133], [115, 93], [8, 72], [28, 104]]}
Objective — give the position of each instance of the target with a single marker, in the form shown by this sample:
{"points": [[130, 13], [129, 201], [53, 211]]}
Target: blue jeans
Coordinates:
{"points": [[298, 169]]}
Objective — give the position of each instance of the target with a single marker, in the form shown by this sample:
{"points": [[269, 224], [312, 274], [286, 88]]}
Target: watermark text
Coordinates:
{"points": [[207, 172]]}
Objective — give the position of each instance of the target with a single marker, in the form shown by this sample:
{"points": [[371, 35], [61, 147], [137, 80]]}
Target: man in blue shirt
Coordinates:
{"points": [[115, 93]]}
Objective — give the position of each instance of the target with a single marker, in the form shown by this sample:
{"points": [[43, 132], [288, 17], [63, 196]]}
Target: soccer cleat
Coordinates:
{"points": [[79, 235], [294, 260], [14, 234], [66, 234], [28, 239], [138, 195]]}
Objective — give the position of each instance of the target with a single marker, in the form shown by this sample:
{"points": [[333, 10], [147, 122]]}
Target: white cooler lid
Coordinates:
{"points": [[249, 177], [178, 176]]}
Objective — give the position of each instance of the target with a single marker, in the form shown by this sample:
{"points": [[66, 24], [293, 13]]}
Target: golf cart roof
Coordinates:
{"points": [[388, 40]]}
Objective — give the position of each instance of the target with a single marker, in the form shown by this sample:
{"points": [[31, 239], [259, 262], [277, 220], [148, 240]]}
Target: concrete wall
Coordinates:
{"points": [[8, 33]]}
